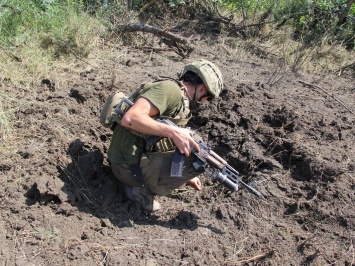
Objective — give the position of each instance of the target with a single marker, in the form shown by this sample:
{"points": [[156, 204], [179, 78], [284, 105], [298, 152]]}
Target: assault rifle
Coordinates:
{"points": [[207, 160], [211, 163]]}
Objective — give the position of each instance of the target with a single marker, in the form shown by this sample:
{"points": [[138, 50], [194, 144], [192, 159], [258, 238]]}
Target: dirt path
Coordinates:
{"points": [[60, 204]]}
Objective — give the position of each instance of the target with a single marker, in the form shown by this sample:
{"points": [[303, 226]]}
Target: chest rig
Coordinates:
{"points": [[161, 144]]}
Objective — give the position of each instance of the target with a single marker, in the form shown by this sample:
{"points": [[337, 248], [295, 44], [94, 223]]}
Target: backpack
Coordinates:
{"points": [[107, 115], [115, 107]]}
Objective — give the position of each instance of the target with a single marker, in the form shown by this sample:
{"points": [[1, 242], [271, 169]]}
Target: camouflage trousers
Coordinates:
{"points": [[156, 172]]}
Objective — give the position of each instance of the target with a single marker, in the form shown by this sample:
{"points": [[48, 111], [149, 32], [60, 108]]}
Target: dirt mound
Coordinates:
{"points": [[289, 135]]}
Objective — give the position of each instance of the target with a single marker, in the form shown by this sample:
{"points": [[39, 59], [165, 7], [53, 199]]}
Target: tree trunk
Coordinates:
{"points": [[344, 14]]}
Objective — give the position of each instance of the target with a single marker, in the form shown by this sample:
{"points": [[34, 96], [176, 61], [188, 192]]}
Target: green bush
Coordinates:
{"points": [[36, 34], [59, 26], [311, 21]]}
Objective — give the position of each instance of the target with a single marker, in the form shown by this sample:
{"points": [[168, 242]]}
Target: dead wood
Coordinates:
{"points": [[155, 31], [181, 45]]}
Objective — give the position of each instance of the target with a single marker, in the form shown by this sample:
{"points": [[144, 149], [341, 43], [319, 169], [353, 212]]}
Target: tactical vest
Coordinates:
{"points": [[118, 104]]}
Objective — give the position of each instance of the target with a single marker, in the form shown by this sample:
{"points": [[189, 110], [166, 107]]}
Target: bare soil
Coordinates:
{"points": [[60, 204]]}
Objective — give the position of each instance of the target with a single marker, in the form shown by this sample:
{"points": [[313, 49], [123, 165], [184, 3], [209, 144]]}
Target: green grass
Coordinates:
{"points": [[39, 39], [35, 36]]}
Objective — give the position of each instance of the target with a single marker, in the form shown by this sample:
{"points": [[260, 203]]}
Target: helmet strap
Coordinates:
{"points": [[197, 102]]}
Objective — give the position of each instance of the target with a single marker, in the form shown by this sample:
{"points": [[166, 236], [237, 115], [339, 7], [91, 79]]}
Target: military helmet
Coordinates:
{"points": [[209, 73]]}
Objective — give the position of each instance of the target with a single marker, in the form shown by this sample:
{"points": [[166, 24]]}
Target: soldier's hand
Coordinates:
{"points": [[195, 182], [184, 141]]}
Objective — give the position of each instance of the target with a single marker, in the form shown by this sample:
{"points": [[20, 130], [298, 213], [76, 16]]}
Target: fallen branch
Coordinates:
{"points": [[323, 90], [174, 39], [153, 30]]}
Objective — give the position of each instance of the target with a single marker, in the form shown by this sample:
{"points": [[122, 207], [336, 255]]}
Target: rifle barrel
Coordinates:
{"points": [[251, 189]]}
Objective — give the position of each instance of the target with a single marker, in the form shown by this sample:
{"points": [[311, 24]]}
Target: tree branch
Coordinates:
{"points": [[153, 30], [175, 40]]}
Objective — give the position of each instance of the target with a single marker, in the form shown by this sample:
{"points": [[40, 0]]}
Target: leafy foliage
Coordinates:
{"points": [[312, 20], [59, 26]]}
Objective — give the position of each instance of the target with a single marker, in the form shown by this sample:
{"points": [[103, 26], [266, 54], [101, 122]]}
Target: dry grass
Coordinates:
{"points": [[6, 115], [322, 59]]}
